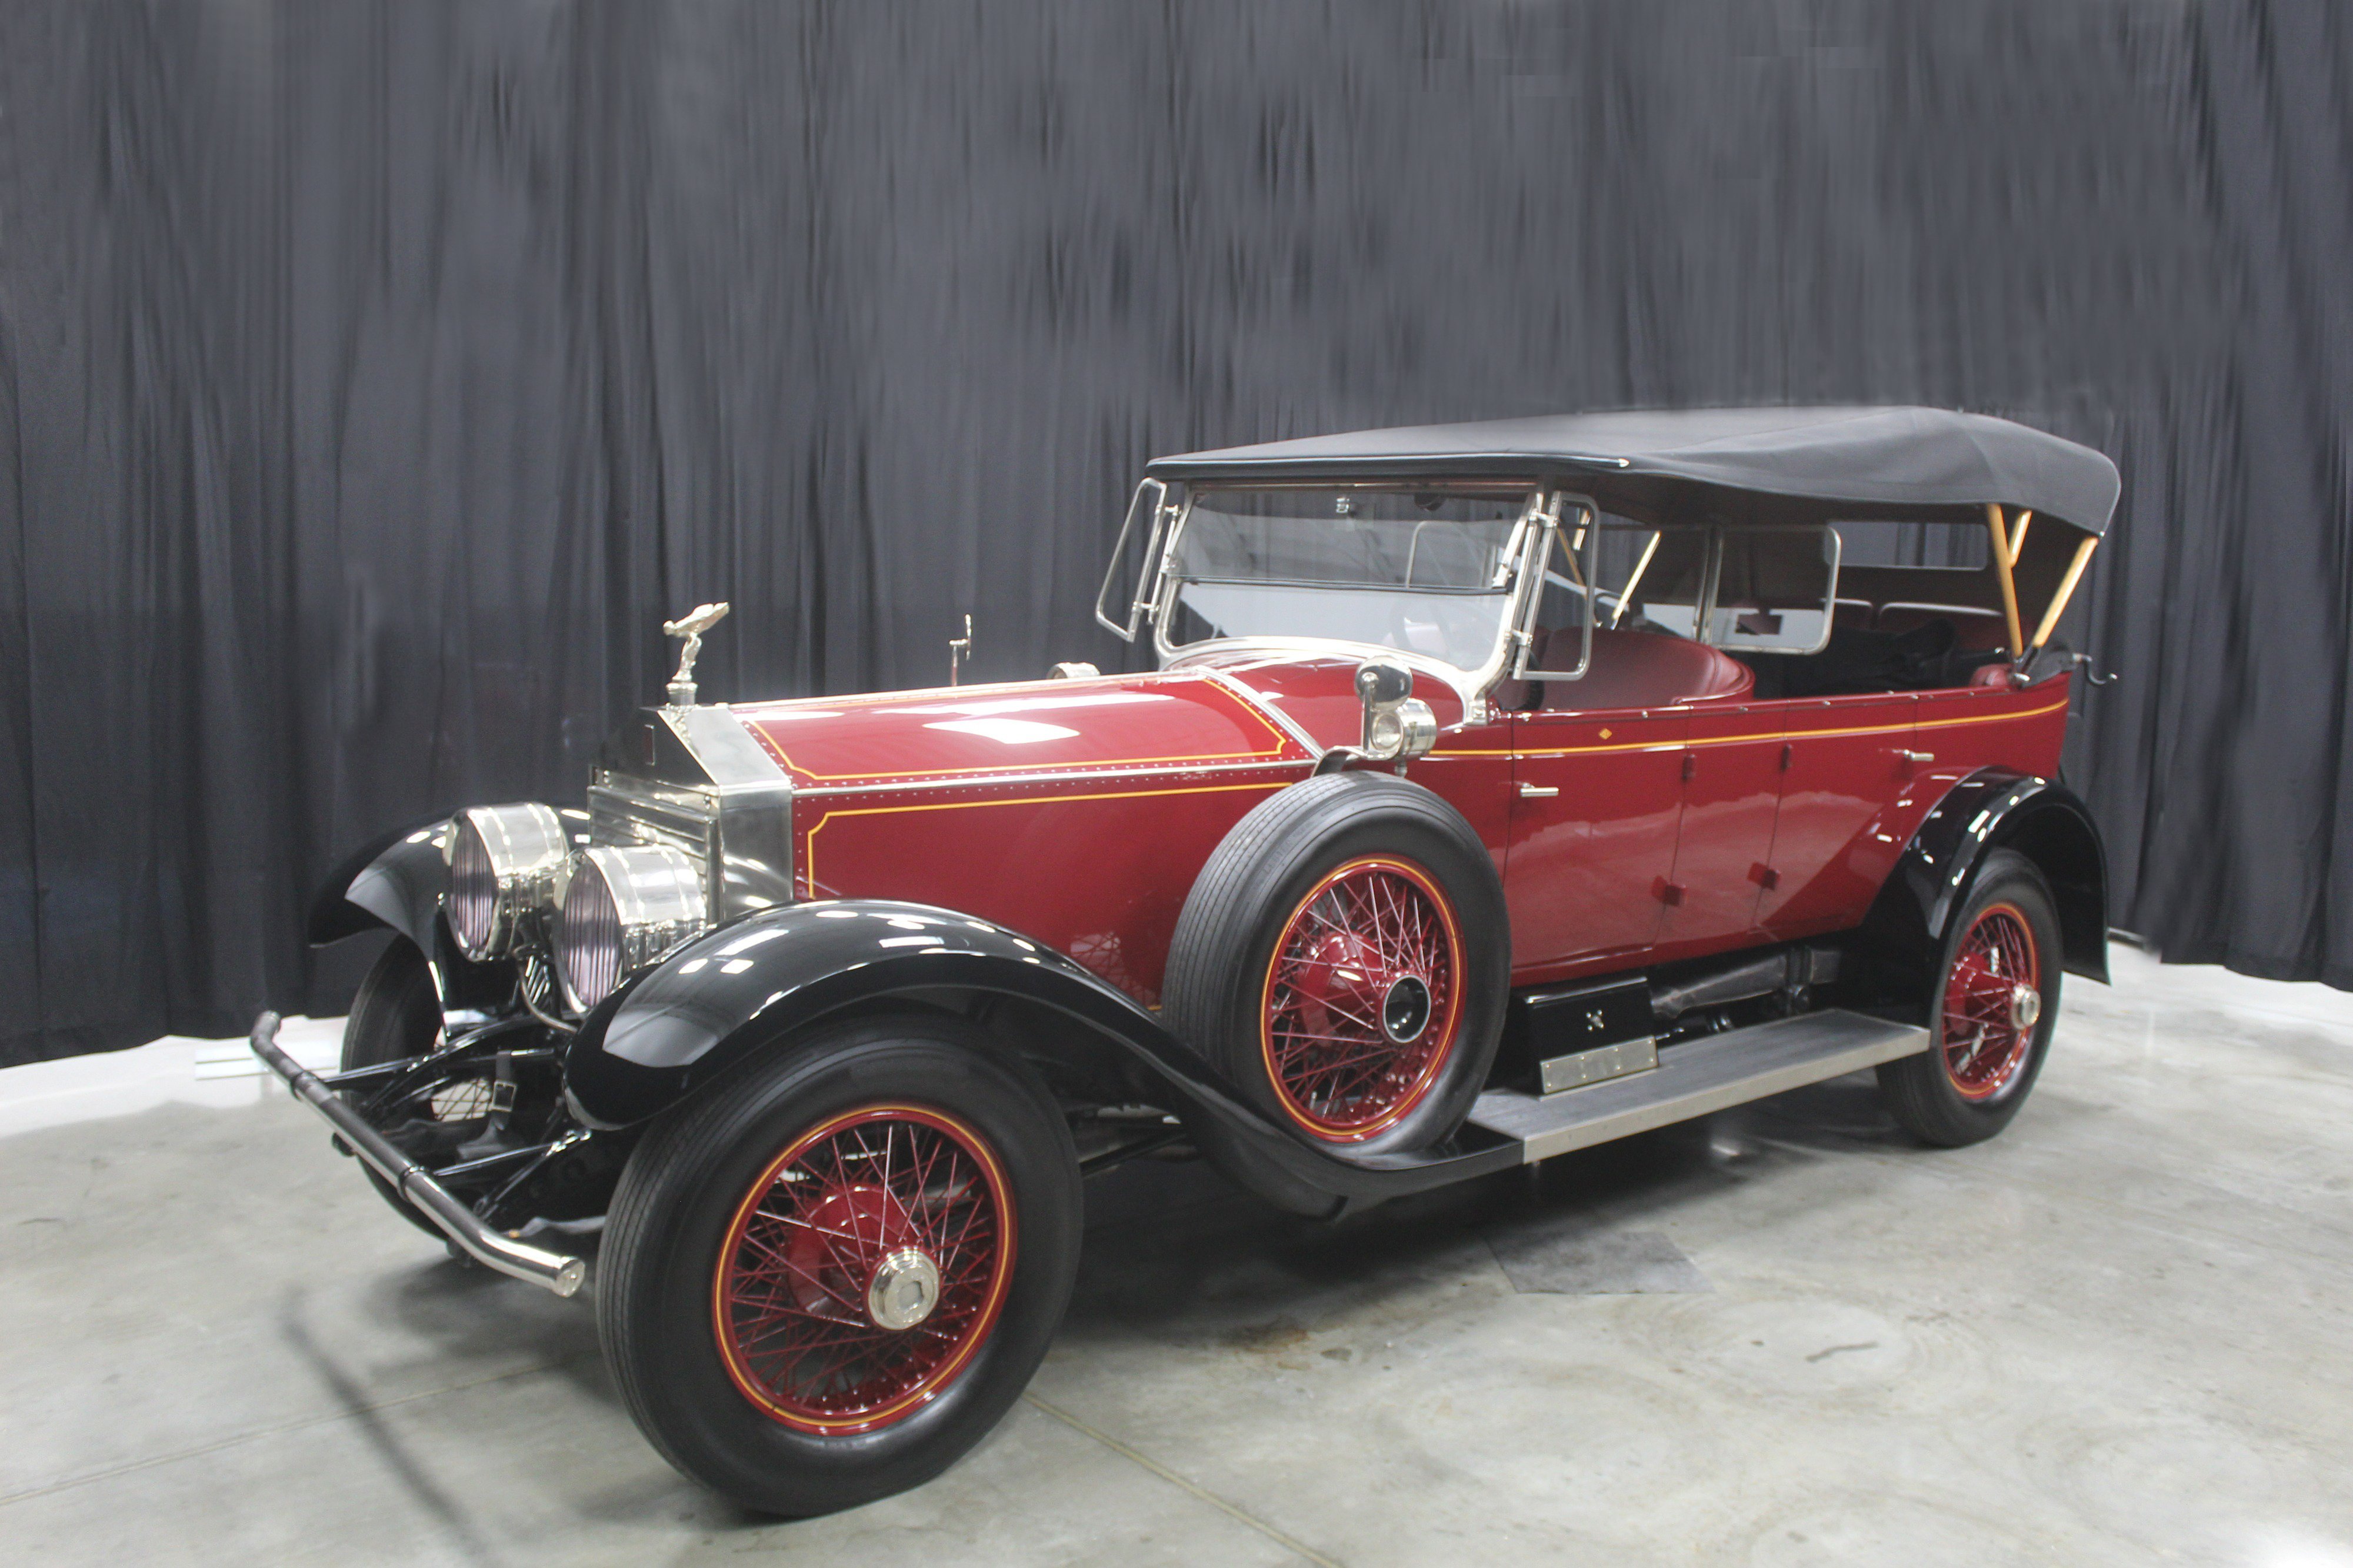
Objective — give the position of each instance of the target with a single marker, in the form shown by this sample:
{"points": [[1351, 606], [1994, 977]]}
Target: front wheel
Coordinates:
{"points": [[397, 1015], [1996, 1002], [830, 1277]]}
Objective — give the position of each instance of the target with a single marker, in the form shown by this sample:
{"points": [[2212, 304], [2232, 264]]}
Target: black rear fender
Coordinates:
{"points": [[1997, 809]]}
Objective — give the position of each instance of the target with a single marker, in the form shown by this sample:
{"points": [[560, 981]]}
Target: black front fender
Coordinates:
{"points": [[395, 880], [751, 985], [1995, 809]]}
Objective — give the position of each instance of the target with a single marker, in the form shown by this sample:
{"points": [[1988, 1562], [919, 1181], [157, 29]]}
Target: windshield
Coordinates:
{"points": [[1422, 571]]}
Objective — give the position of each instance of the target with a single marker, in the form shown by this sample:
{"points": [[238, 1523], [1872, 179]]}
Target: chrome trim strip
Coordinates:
{"points": [[556, 1271], [937, 784], [1261, 704]]}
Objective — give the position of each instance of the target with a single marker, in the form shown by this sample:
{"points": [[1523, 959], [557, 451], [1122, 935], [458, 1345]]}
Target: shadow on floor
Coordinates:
{"points": [[1176, 1254]]}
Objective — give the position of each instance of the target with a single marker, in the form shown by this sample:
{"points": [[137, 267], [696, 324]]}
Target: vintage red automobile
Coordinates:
{"points": [[1498, 790]]}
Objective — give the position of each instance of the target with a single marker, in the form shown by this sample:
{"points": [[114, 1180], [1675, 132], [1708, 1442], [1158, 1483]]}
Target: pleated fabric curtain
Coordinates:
{"points": [[374, 378]]}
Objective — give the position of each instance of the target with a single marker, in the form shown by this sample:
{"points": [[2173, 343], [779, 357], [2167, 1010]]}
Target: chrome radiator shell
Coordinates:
{"points": [[735, 820]]}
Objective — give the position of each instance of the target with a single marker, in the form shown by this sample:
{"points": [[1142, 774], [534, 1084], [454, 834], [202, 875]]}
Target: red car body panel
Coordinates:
{"points": [[1319, 695], [1077, 811], [1080, 812], [958, 734]]}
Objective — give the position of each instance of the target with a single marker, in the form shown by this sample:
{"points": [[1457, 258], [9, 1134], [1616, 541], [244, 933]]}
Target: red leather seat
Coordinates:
{"points": [[1638, 670]]}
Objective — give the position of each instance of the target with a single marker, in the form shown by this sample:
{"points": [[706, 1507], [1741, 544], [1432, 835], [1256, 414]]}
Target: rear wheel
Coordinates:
{"points": [[1996, 1003], [828, 1279]]}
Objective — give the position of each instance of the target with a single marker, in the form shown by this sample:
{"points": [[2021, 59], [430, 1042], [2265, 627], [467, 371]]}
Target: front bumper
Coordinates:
{"points": [[556, 1271]]}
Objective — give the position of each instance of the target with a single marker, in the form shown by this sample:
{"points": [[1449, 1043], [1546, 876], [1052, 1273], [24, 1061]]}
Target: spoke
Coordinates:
{"points": [[1373, 921], [1359, 1080], [1381, 1053], [850, 1236], [1362, 1034], [804, 1339], [1333, 918], [836, 1359], [864, 1188], [823, 1289]]}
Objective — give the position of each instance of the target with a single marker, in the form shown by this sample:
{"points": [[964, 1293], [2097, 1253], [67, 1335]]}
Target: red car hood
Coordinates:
{"points": [[972, 734]]}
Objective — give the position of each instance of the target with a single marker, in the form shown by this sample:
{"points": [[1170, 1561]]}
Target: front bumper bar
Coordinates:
{"points": [[556, 1271]]}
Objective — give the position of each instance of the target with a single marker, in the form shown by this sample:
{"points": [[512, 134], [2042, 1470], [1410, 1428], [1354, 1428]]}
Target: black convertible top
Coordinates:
{"points": [[1906, 461]]}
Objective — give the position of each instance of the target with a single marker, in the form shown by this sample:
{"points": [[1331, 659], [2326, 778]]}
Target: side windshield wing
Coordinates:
{"points": [[1566, 611], [1134, 560]]}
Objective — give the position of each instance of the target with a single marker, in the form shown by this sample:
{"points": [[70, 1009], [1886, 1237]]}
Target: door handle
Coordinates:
{"points": [[1538, 791], [1917, 756]]}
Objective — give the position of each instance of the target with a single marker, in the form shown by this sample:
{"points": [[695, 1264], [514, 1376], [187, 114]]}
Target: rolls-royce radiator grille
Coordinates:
{"points": [[622, 814]]}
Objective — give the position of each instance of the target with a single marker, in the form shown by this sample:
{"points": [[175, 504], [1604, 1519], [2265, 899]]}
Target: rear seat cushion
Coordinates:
{"points": [[1631, 669]]}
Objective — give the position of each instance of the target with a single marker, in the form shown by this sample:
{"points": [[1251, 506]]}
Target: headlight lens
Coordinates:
{"points": [[623, 909], [503, 860]]}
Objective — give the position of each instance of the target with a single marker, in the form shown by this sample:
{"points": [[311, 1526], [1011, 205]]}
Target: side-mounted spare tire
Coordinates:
{"points": [[1344, 959]]}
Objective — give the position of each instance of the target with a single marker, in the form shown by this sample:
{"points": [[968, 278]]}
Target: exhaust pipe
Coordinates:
{"points": [[1743, 982], [556, 1271]]}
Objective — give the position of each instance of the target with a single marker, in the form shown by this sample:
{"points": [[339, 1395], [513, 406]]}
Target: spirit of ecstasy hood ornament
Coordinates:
{"points": [[691, 626]]}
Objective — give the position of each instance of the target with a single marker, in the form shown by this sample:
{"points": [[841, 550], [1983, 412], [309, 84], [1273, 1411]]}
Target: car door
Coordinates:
{"points": [[1597, 800], [1732, 787], [1847, 761]]}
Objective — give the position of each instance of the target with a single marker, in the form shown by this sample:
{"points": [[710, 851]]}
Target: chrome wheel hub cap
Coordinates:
{"points": [[1405, 1010], [2025, 1007], [905, 1287]]}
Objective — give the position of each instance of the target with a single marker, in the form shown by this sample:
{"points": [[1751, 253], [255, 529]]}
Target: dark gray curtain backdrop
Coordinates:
{"points": [[374, 378]]}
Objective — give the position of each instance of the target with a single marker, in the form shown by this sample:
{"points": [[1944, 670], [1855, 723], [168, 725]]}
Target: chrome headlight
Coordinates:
{"points": [[503, 860], [623, 909]]}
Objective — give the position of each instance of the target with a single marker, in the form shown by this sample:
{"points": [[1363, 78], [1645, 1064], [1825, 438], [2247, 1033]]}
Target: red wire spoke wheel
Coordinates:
{"points": [[1363, 998], [1992, 1001], [1993, 993], [863, 1269], [1344, 960]]}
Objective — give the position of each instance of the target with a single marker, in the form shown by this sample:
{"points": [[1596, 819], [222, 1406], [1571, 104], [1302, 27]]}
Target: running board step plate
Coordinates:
{"points": [[1696, 1078]]}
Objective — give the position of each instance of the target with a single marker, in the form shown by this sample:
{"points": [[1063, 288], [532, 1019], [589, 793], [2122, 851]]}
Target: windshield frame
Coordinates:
{"points": [[1532, 531]]}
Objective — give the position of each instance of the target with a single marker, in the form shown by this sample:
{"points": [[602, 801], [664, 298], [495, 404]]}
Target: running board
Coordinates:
{"points": [[1696, 1078]]}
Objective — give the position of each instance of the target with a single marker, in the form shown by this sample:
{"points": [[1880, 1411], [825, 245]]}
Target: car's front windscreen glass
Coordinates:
{"points": [[1423, 571]]}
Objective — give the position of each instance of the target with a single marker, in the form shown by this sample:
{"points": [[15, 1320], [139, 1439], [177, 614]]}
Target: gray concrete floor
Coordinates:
{"points": [[2120, 1333]]}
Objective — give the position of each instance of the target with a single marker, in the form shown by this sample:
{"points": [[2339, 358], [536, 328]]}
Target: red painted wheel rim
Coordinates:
{"points": [[1984, 1043], [848, 1202], [1363, 999]]}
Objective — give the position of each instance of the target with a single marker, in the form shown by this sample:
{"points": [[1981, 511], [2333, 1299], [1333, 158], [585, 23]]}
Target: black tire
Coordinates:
{"points": [[1953, 1094], [397, 1014], [1222, 993], [662, 1278]]}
